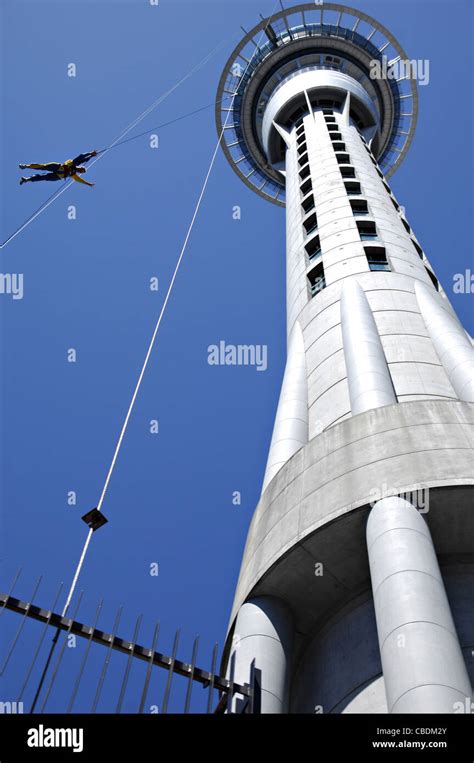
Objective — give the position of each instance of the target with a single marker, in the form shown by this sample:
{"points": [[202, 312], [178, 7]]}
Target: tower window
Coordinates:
{"points": [[308, 204], [301, 139], [328, 112], [339, 146], [313, 248], [333, 128], [433, 278], [310, 224], [335, 136], [300, 130], [316, 279], [330, 119], [353, 188], [405, 225], [304, 173], [367, 230], [395, 204], [347, 171], [418, 248], [359, 207], [295, 119], [302, 147], [343, 158], [376, 257], [306, 187], [302, 160]]}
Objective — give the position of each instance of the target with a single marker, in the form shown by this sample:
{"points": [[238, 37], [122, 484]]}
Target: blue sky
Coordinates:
{"points": [[86, 286]]}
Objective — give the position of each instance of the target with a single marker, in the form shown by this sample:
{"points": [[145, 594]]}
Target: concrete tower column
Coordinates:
{"points": [[422, 662], [450, 342], [264, 633], [370, 383], [290, 431]]}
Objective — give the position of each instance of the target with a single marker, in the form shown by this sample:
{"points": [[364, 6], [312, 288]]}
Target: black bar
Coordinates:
{"points": [[45, 670], [149, 668], [20, 628], [170, 672], [106, 737], [60, 657], [40, 644], [212, 682], [84, 660], [128, 666], [191, 675], [222, 704], [15, 579], [106, 662], [230, 693], [255, 701]]}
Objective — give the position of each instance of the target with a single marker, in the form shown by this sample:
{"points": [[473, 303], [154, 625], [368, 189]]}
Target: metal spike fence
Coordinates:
{"points": [[105, 672]]}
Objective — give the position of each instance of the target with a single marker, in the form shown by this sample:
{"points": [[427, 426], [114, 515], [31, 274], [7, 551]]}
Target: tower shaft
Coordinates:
{"points": [[346, 600]]}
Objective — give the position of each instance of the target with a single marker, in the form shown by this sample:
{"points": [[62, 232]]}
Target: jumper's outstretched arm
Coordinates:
{"points": [[78, 179]]}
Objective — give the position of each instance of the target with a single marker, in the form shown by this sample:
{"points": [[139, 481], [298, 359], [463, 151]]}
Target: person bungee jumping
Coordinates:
{"points": [[56, 171]]}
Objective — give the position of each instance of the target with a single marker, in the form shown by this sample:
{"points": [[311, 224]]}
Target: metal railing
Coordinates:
{"points": [[80, 676]]}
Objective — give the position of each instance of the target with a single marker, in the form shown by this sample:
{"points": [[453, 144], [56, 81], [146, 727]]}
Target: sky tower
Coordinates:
{"points": [[355, 590]]}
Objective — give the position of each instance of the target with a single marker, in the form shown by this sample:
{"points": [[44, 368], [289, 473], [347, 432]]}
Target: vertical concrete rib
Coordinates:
{"points": [[284, 134], [422, 662], [449, 338], [370, 383], [346, 109], [290, 431], [264, 632]]}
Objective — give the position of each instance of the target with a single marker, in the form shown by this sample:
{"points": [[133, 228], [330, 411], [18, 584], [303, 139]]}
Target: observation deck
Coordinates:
{"points": [[337, 48]]}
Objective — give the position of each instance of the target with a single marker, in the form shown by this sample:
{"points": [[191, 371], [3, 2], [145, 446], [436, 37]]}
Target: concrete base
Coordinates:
{"points": [[306, 544]]}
